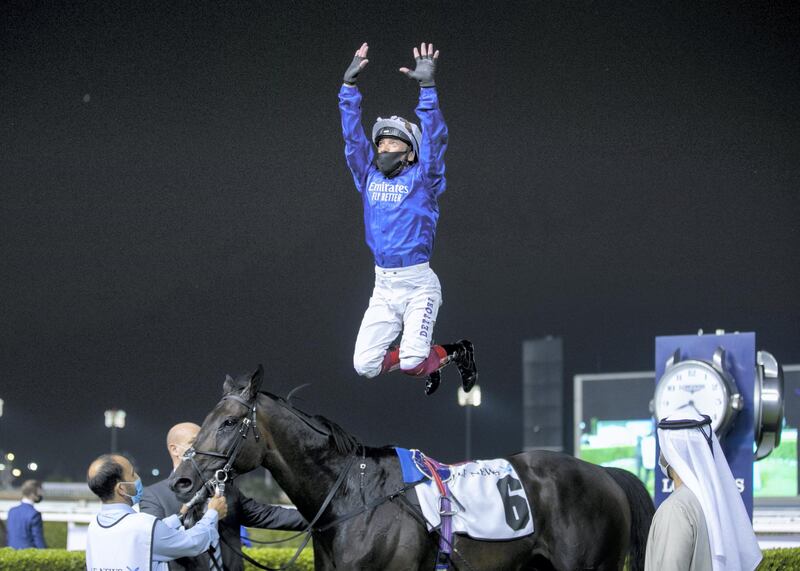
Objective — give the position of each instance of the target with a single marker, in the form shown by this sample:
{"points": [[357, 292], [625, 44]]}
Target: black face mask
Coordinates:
{"points": [[390, 164]]}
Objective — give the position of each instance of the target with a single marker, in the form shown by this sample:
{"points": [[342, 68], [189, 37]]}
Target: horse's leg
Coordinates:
{"points": [[606, 552], [323, 559], [511, 555]]}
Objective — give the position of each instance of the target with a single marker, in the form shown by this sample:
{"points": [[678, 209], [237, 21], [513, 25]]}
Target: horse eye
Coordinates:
{"points": [[230, 421]]}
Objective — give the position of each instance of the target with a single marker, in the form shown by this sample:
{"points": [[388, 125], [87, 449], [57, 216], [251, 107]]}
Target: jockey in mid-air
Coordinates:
{"points": [[400, 186]]}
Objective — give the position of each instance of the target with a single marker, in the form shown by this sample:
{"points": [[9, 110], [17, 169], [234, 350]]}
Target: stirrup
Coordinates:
{"points": [[453, 507], [432, 382]]}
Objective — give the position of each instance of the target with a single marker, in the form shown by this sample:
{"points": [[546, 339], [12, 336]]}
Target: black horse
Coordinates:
{"points": [[585, 516]]}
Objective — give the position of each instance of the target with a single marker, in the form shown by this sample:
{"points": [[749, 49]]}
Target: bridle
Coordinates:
{"points": [[223, 475]]}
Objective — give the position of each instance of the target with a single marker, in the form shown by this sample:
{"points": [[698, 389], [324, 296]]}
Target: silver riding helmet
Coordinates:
{"points": [[398, 128]]}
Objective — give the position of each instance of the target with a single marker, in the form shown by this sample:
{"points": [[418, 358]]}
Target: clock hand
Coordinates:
{"points": [[689, 404]]}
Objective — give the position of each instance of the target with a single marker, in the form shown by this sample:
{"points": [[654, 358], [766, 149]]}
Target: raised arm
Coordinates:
{"points": [[434, 129], [357, 148]]}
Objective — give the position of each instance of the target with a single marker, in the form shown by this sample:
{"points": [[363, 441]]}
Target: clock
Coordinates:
{"points": [[768, 404], [700, 387]]}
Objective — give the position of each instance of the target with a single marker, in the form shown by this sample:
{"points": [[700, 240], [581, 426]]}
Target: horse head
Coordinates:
{"points": [[228, 442]]}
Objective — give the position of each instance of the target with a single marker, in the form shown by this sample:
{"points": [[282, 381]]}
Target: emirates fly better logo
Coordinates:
{"points": [[387, 191]]}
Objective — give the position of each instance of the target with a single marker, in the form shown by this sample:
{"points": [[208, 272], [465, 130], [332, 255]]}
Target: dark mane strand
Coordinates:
{"points": [[343, 441]]}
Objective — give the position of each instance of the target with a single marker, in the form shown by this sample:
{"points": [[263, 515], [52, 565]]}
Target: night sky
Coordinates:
{"points": [[176, 205]]}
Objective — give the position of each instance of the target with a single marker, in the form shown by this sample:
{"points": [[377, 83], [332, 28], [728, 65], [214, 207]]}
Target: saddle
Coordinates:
{"points": [[427, 465], [484, 499]]}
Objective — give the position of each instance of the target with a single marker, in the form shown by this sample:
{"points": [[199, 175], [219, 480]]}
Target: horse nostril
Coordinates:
{"points": [[182, 484]]}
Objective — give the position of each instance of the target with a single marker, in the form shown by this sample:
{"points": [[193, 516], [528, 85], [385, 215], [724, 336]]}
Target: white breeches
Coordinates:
{"points": [[404, 299]]}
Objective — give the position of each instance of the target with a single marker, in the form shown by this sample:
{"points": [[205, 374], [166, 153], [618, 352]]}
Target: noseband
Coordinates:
{"points": [[223, 475]]}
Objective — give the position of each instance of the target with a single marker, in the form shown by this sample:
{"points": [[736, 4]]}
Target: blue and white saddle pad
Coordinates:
{"points": [[487, 495]]}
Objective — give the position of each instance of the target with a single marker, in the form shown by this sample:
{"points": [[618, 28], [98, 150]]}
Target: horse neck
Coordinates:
{"points": [[301, 460]]}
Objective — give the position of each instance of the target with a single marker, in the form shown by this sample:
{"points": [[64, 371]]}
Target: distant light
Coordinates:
{"points": [[155, 472], [472, 398], [33, 466], [2, 467], [87, 98], [10, 456], [16, 472], [115, 418]]}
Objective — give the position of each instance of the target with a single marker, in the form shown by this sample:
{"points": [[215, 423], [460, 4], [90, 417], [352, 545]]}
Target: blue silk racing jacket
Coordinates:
{"points": [[400, 213]]}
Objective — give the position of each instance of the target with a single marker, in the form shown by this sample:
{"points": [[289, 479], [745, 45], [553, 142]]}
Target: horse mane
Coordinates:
{"points": [[343, 441]]}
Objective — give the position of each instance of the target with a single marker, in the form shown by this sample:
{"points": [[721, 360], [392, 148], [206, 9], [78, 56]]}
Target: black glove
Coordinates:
{"points": [[351, 75], [426, 67]]}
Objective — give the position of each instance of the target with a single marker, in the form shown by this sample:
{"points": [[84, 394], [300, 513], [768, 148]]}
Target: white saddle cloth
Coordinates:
{"points": [[488, 497]]}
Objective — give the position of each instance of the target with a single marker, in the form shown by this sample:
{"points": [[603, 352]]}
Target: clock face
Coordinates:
{"points": [[692, 386]]}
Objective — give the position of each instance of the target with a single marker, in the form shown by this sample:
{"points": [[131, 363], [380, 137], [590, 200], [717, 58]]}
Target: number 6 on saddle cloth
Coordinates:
{"points": [[490, 499]]}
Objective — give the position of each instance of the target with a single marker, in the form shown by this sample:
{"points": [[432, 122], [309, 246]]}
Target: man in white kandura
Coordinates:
{"points": [[703, 525]]}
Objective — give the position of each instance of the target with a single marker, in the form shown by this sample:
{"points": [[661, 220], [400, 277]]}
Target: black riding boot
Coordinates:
{"points": [[432, 382], [462, 353]]}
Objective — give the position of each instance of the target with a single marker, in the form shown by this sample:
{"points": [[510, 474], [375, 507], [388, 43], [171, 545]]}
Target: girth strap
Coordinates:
{"points": [[367, 506], [445, 515]]}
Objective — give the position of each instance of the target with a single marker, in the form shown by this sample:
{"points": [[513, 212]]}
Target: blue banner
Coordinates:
{"points": [[740, 363]]}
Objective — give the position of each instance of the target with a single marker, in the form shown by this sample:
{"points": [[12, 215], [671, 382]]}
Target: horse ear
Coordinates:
{"points": [[229, 385], [254, 385]]}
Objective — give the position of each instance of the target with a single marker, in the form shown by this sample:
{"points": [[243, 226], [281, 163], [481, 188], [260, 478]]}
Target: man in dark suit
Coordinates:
{"points": [[160, 501], [24, 521]]}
